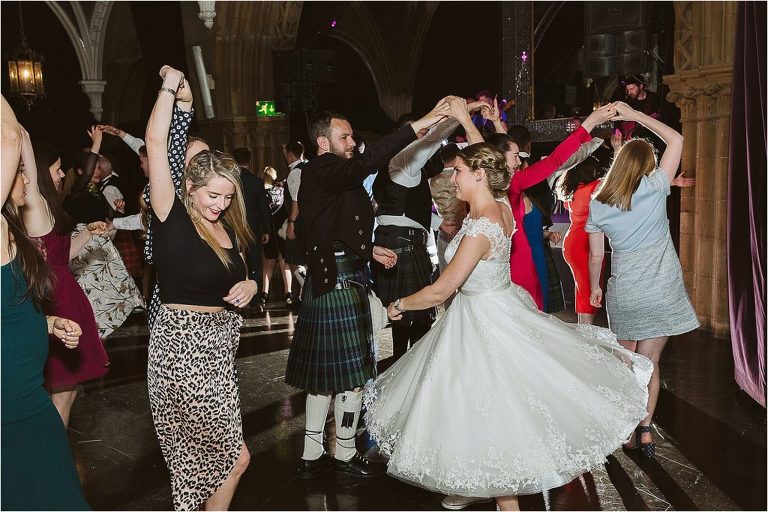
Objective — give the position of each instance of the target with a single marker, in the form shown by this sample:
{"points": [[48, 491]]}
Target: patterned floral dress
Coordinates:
{"points": [[102, 275]]}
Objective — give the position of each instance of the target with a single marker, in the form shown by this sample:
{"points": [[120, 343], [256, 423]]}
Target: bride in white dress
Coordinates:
{"points": [[499, 399]]}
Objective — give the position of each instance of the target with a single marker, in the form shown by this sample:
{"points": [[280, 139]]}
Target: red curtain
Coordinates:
{"points": [[747, 201]]}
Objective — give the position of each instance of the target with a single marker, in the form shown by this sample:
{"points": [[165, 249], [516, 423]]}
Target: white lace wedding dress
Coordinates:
{"points": [[499, 398]]}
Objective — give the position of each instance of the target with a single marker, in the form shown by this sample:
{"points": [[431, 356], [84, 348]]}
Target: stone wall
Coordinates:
{"points": [[701, 88]]}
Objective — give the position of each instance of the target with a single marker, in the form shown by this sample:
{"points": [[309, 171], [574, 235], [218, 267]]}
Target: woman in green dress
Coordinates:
{"points": [[38, 472]]}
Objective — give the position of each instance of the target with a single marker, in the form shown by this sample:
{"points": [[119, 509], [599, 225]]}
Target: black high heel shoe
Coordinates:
{"points": [[647, 449]]}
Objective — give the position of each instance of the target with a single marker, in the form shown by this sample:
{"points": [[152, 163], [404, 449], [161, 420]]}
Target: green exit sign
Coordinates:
{"points": [[266, 108]]}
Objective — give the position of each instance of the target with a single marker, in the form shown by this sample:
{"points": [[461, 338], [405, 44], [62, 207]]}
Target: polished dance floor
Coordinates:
{"points": [[711, 437]]}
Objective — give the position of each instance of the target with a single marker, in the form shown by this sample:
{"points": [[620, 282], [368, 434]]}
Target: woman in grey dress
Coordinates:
{"points": [[646, 297]]}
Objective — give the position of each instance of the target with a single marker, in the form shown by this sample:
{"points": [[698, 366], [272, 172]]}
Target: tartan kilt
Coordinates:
{"points": [[412, 272], [555, 296], [130, 253], [332, 348]]}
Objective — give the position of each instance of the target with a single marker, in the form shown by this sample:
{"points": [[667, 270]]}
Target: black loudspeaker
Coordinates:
{"points": [[633, 40], [617, 38], [298, 75], [604, 17], [601, 44], [296, 96], [601, 66], [305, 64]]}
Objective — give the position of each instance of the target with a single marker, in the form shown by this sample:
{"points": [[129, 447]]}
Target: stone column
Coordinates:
{"points": [[701, 88], [688, 195]]}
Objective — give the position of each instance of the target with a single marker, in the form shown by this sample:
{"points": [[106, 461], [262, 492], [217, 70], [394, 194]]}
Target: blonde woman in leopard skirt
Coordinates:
{"points": [[191, 374]]}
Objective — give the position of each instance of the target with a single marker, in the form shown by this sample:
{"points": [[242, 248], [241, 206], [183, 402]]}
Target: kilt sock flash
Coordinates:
{"points": [[346, 412]]}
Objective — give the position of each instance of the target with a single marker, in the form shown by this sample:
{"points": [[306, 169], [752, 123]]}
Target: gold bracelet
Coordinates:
{"points": [[167, 89]]}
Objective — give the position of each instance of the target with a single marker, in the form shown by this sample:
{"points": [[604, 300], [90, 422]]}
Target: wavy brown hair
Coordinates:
{"points": [[635, 159], [484, 156], [583, 173], [45, 156], [202, 167], [33, 267]]}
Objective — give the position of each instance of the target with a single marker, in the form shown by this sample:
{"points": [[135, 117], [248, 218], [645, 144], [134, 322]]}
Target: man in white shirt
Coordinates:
{"points": [[292, 249], [109, 185]]}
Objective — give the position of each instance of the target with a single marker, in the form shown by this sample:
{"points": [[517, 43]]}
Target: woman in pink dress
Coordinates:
{"points": [[45, 220], [522, 268]]}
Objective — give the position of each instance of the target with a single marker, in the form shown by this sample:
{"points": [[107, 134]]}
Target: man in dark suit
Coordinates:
{"points": [[256, 211], [332, 348]]}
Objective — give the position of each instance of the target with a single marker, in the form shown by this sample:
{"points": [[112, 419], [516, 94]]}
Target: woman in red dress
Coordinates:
{"points": [[45, 220], [522, 268], [575, 188]]}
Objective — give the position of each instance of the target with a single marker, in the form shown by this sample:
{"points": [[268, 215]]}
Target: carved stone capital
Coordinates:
{"points": [[94, 90], [706, 107], [207, 12], [724, 102], [395, 105], [687, 108]]}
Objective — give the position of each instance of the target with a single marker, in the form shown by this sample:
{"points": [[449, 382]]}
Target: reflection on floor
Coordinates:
{"points": [[711, 437]]}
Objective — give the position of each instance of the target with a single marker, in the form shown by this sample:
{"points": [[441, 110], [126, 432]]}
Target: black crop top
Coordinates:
{"points": [[188, 270]]}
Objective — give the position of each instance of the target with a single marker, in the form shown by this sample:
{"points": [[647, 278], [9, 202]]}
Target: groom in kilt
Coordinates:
{"points": [[332, 348]]}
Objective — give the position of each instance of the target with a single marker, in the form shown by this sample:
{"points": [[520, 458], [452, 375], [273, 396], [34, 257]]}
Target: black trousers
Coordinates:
{"points": [[254, 261]]}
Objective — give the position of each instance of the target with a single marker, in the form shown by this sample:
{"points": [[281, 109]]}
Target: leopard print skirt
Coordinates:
{"points": [[195, 399]]}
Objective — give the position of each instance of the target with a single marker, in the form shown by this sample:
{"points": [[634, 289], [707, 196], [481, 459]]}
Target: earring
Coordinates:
{"points": [[478, 179]]}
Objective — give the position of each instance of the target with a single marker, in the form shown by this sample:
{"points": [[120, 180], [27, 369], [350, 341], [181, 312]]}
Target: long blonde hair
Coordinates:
{"points": [[635, 159], [201, 169]]}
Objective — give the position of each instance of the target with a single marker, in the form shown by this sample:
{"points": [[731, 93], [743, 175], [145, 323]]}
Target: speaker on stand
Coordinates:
{"points": [[616, 39]]}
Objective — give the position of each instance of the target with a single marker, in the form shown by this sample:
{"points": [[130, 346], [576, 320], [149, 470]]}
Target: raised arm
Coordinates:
{"points": [[405, 167], [161, 186], [542, 169], [132, 142], [11, 148], [460, 112], [81, 183], [670, 159], [493, 114], [35, 214]]}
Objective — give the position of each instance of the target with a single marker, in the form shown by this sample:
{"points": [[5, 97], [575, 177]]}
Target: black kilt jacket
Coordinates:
{"points": [[335, 206]]}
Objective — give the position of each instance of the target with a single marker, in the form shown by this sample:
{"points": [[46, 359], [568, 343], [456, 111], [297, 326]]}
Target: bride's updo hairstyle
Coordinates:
{"points": [[483, 155]]}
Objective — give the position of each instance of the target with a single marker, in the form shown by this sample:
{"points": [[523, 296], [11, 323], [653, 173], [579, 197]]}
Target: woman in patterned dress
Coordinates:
{"points": [[98, 266], [191, 372]]}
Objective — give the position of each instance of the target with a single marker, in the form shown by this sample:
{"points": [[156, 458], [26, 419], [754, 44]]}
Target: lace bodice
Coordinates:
{"points": [[494, 271]]}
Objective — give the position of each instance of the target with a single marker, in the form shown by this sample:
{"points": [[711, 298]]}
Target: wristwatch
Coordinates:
{"points": [[397, 306]]}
